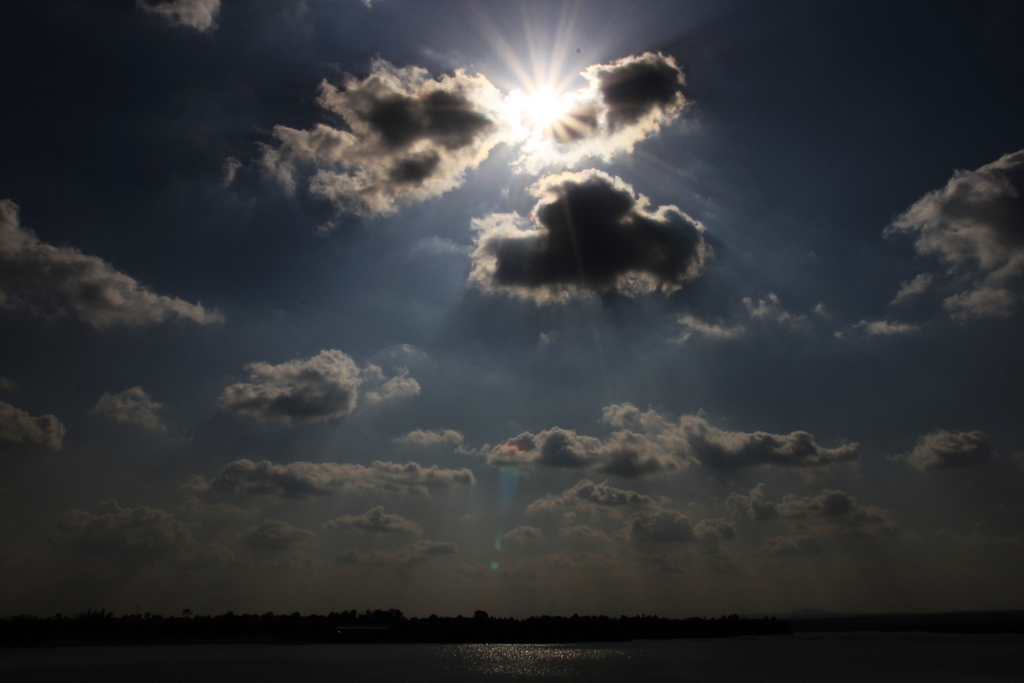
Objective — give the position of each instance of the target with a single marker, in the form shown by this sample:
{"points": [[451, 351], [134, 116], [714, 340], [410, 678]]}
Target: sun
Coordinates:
{"points": [[535, 112], [543, 108]]}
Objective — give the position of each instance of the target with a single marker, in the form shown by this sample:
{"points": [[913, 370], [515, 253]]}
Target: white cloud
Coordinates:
{"points": [[421, 437], [944, 450], [18, 427], [695, 326], [133, 406], [400, 386], [51, 282], [885, 328], [197, 14], [771, 310], [918, 285], [972, 225]]}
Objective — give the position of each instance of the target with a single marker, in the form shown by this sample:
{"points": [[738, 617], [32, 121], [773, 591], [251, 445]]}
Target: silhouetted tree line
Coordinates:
{"points": [[378, 626]]}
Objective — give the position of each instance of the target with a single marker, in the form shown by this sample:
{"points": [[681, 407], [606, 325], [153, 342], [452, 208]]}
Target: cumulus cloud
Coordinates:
{"points": [[624, 102], [18, 427], [692, 438], [274, 536], [973, 226], [648, 443], [523, 533], [693, 326], [835, 512], [7, 384], [588, 233], [133, 406], [374, 521], [52, 282], [944, 450], [625, 454], [143, 531], [197, 14], [410, 137], [406, 556], [307, 479], [324, 387], [421, 437], [587, 534], [587, 494], [399, 386], [754, 505], [672, 526]]}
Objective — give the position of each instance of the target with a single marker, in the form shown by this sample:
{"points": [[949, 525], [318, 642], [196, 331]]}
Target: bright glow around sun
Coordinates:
{"points": [[543, 107], [536, 111]]}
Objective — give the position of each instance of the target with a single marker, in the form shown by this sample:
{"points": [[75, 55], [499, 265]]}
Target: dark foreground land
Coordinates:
{"points": [[390, 626]]}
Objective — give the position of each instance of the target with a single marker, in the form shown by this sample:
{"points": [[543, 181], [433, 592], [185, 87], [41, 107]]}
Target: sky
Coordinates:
{"points": [[546, 307]]}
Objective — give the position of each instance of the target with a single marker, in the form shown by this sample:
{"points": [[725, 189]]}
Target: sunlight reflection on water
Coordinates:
{"points": [[530, 661]]}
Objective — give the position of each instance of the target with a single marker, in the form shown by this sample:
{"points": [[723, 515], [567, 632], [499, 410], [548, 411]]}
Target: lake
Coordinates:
{"points": [[874, 657]]}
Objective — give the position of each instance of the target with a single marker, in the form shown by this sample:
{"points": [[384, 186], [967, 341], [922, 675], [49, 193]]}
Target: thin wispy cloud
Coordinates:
{"points": [[51, 282]]}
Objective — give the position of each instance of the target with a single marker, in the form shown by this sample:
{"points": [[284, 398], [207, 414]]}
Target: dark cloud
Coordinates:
{"points": [[754, 505], [624, 102], [587, 534], [410, 137], [672, 526], [307, 479], [692, 439], [406, 556], [143, 531], [944, 450], [133, 406], [588, 233], [52, 282], [19, 428], [588, 494], [649, 443], [635, 87], [324, 387], [625, 454], [975, 226], [274, 536], [374, 521], [523, 533], [197, 14], [787, 546], [836, 512]]}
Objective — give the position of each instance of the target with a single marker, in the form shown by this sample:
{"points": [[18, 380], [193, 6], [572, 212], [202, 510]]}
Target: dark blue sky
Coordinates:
{"points": [[312, 305]]}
